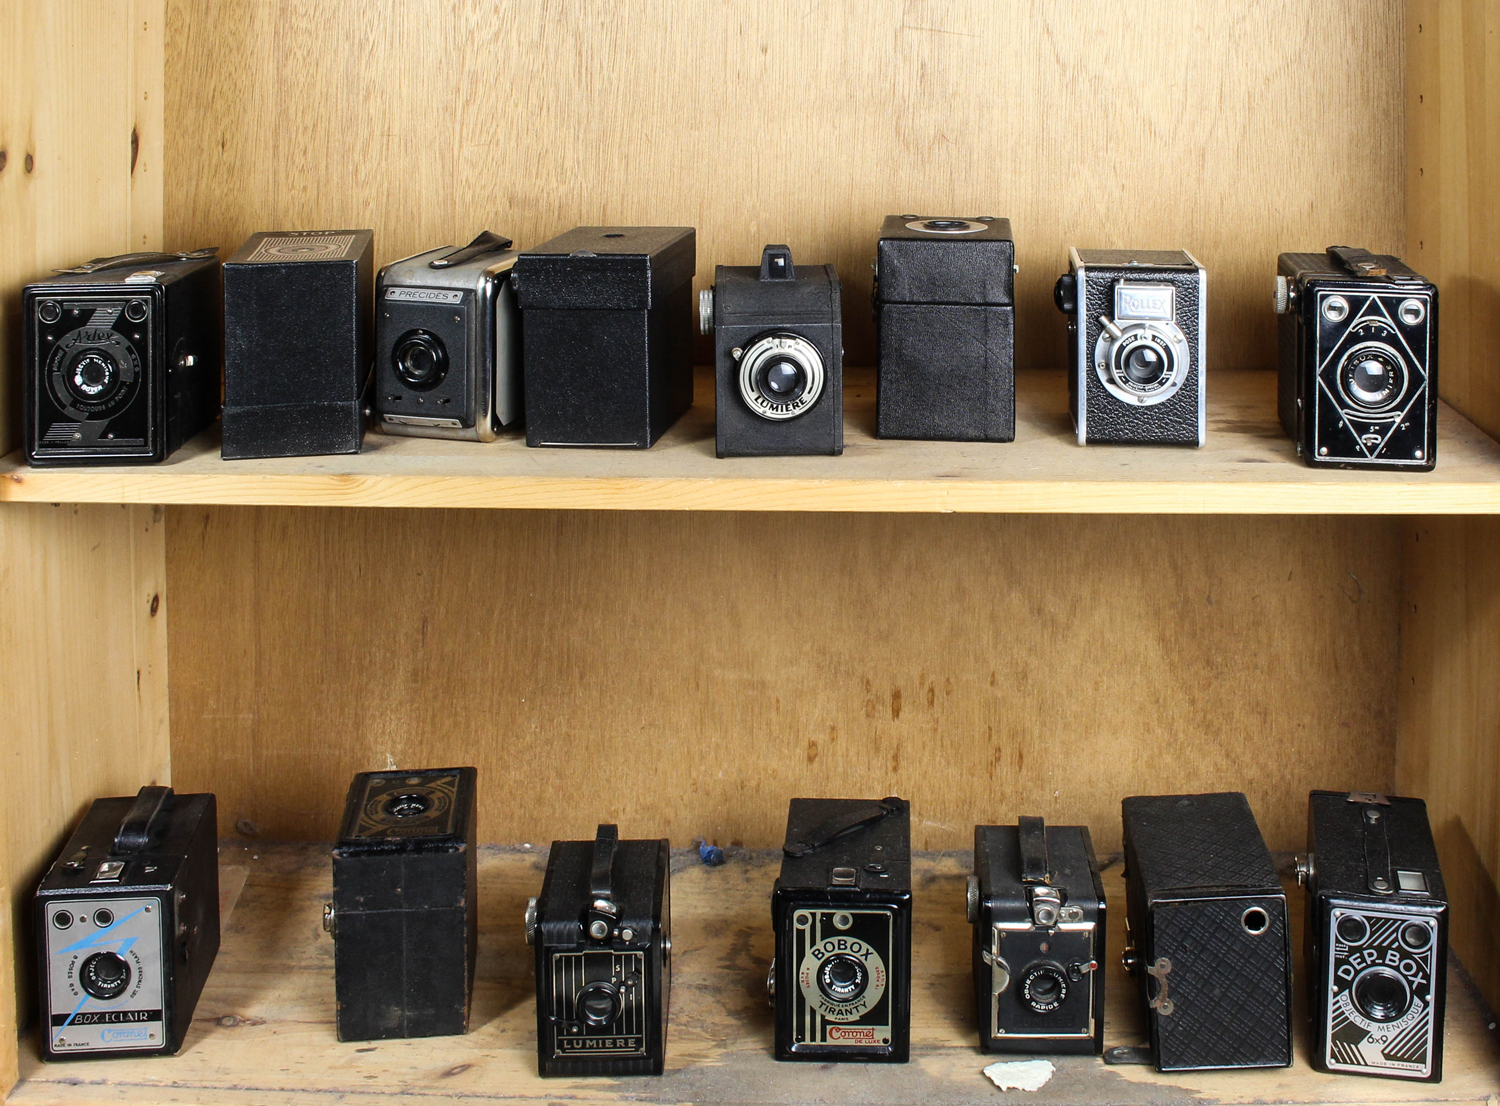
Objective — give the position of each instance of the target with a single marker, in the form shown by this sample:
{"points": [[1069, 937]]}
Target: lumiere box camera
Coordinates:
{"points": [[1358, 340], [298, 325], [127, 923], [122, 358], [1376, 936], [602, 929], [778, 357], [1207, 933], [840, 982], [1037, 906], [1136, 345], [403, 917], [448, 343], [945, 325], [607, 312]]}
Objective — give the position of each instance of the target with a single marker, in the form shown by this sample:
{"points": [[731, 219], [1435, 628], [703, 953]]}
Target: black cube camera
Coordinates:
{"points": [[1136, 345], [1376, 936], [778, 357], [122, 358], [1037, 906], [608, 349], [127, 923], [602, 928], [403, 917], [841, 978], [945, 326], [1207, 933], [1358, 339], [448, 343]]}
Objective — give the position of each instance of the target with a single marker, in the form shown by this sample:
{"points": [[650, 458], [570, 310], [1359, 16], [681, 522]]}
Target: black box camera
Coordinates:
{"points": [[1136, 344], [608, 350], [778, 357], [602, 929], [1376, 936], [841, 978], [945, 325], [127, 922], [122, 358], [1037, 906], [448, 343], [1358, 338]]}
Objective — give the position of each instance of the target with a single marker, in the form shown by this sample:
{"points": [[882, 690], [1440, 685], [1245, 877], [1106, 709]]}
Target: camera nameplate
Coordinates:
{"points": [[83, 1023]]}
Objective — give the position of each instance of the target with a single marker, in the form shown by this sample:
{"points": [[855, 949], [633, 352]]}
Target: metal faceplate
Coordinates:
{"points": [[77, 1020], [1402, 950], [1016, 950], [864, 1020], [624, 973]]}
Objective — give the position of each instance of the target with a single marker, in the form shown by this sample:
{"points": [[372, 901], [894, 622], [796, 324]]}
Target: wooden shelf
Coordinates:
{"points": [[263, 1031], [1248, 467]]}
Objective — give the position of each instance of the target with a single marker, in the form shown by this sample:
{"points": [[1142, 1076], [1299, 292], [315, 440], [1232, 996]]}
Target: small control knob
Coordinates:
{"points": [[105, 975], [971, 900], [1283, 295], [531, 921], [706, 311], [1065, 293]]}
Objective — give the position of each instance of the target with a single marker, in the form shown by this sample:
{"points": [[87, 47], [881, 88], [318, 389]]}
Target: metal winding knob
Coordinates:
{"points": [[706, 311], [531, 921], [971, 897], [330, 922]]}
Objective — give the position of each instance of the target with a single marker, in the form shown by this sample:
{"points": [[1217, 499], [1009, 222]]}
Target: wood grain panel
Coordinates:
{"points": [[1226, 129], [687, 674]]}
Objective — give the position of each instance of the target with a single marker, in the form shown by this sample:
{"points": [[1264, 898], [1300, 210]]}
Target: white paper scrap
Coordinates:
{"points": [[1020, 1075]]}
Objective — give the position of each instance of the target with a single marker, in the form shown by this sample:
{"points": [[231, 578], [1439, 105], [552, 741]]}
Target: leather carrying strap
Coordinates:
{"points": [[1377, 851], [1032, 833], [1361, 263], [131, 260], [142, 820], [849, 818], [601, 877], [484, 242]]}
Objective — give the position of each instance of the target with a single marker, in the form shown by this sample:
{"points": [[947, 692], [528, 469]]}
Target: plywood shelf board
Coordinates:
{"points": [[1247, 467]]}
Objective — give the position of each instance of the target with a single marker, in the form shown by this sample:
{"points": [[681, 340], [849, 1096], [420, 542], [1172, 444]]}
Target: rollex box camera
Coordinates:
{"points": [[1207, 933], [841, 978], [298, 328], [1136, 344], [448, 343], [403, 917], [1376, 935], [778, 357], [602, 929], [1358, 338], [608, 354], [127, 924], [122, 358], [945, 325], [1037, 906]]}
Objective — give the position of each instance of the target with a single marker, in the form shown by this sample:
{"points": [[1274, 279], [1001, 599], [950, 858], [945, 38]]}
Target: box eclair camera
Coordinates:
{"points": [[1136, 345]]}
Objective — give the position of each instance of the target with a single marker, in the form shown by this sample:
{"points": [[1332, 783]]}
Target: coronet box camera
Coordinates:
{"points": [[778, 357], [403, 917], [448, 343], [1037, 906], [1376, 936], [841, 978], [127, 923], [945, 325], [1136, 345], [1358, 340], [602, 929], [1207, 933], [122, 358]]}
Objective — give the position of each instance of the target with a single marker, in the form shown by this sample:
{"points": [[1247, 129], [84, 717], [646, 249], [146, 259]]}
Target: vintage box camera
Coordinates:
{"points": [[1037, 906], [403, 916], [1207, 933], [122, 358], [945, 325], [602, 929], [1135, 340], [841, 977], [448, 343], [1358, 340], [608, 352], [127, 924], [297, 331], [1376, 936], [778, 357]]}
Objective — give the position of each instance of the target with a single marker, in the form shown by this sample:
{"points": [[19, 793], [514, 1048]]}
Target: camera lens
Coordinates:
{"points": [[105, 975], [93, 376], [1416, 936], [1353, 930], [599, 1003], [842, 978], [1144, 365], [420, 359], [135, 310], [1043, 987], [781, 376], [1381, 994], [409, 805], [781, 382], [49, 311], [1373, 377]]}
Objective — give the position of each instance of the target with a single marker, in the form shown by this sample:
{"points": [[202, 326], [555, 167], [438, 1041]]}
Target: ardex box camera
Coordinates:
{"points": [[606, 315]]}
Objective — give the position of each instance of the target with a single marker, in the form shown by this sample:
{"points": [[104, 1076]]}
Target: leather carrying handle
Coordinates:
{"points": [[1032, 833], [1377, 851], [130, 260], [1361, 263], [601, 877], [142, 819], [850, 818], [484, 242]]}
